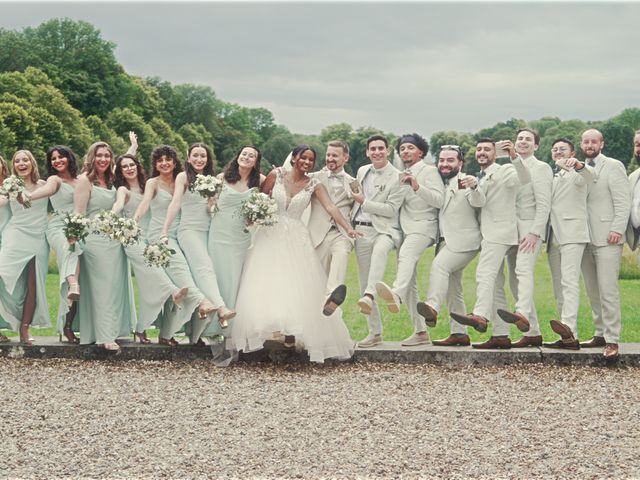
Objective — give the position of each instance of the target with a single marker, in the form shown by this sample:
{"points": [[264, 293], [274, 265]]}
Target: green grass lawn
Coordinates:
{"points": [[397, 327]]}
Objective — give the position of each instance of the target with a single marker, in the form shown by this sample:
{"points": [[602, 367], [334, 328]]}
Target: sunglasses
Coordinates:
{"points": [[451, 147]]}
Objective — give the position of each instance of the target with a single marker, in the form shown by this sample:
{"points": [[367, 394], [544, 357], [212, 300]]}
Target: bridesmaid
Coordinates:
{"points": [[158, 194], [192, 237], [105, 309], [228, 241], [154, 286], [62, 171], [24, 256], [5, 215]]}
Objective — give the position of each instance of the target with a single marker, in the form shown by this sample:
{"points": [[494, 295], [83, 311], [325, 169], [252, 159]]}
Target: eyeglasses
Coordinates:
{"points": [[451, 147]]}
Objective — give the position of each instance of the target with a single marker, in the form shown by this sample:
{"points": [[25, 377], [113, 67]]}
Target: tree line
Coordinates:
{"points": [[60, 83]]}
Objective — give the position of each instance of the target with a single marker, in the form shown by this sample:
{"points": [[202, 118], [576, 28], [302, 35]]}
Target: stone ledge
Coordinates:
{"points": [[388, 352]]}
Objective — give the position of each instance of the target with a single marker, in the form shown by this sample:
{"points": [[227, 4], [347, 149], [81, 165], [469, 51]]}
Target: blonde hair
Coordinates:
{"points": [[89, 164], [4, 169], [35, 174]]}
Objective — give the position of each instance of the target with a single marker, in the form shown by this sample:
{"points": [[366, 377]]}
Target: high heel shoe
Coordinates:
{"points": [[171, 342], [142, 337], [224, 315], [206, 308], [69, 335], [179, 295], [73, 295], [25, 339]]}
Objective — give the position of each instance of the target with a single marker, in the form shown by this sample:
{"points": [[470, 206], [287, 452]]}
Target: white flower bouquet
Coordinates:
{"points": [[76, 226], [208, 186], [12, 187], [127, 232], [158, 254], [259, 209], [105, 223]]}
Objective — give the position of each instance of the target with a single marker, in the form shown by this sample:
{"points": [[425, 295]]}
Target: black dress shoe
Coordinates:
{"points": [[336, 299]]}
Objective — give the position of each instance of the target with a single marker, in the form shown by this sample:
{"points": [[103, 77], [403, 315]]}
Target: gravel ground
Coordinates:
{"points": [[67, 418]]}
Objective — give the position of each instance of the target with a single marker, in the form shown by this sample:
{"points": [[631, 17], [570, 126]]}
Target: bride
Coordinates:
{"points": [[282, 290]]}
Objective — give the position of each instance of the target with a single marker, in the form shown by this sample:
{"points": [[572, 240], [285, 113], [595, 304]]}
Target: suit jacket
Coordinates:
{"points": [[458, 217], [533, 202], [320, 222], [419, 211], [633, 234], [608, 201], [569, 216], [498, 218], [384, 205]]}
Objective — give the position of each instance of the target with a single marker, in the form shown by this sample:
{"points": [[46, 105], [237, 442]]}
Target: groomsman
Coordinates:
{"points": [[533, 205], [609, 205], [424, 195], [331, 242], [458, 244], [633, 230], [378, 197], [567, 238], [499, 228]]}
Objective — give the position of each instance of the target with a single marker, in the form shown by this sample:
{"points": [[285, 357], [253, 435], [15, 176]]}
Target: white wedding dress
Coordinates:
{"points": [[282, 289]]}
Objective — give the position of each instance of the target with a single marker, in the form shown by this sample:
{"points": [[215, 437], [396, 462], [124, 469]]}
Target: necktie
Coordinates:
{"points": [[481, 175], [591, 162]]}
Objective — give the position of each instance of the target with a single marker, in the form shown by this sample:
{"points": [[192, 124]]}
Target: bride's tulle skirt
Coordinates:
{"points": [[282, 290]]}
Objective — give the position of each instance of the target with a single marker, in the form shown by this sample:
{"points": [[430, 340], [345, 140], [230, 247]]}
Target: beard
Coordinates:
{"points": [[450, 175]]}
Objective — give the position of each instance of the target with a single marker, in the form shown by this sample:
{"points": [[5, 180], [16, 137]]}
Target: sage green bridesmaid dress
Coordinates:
{"points": [[229, 243], [155, 305], [23, 238], [178, 269], [62, 201], [193, 235], [106, 309]]}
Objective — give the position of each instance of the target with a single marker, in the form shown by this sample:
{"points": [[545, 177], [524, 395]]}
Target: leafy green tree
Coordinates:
{"points": [[193, 133]]}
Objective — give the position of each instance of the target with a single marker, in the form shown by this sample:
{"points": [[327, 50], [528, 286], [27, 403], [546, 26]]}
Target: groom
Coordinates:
{"points": [[331, 242]]}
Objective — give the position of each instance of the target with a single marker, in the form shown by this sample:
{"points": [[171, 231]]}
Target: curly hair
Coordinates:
{"points": [[66, 152], [417, 140], [165, 151]]}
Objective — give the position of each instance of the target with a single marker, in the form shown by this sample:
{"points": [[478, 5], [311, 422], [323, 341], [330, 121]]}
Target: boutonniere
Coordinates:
{"points": [[380, 187]]}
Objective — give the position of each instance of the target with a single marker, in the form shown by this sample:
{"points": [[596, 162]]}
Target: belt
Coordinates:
{"points": [[364, 224]]}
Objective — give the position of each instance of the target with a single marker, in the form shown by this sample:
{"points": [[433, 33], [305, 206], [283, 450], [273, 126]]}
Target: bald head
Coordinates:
{"points": [[592, 143]]}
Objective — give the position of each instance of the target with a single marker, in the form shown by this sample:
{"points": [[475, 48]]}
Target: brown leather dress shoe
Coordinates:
{"points": [[595, 342], [516, 318], [563, 344], [475, 321], [453, 341], [561, 329], [494, 343], [611, 351], [533, 341], [429, 314]]}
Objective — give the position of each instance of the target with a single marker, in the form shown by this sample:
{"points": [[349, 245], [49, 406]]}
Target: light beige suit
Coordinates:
{"points": [[499, 228], [330, 240], [567, 237], [633, 231], [533, 205], [373, 248], [419, 224], [460, 240], [608, 205]]}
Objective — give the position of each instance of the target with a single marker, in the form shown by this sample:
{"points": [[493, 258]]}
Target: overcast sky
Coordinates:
{"points": [[404, 67]]}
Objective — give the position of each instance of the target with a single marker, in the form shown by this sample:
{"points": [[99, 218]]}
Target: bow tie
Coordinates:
{"points": [[591, 162], [377, 172]]}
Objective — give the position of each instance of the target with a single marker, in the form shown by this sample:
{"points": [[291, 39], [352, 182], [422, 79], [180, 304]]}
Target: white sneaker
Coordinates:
{"points": [[389, 296], [366, 305]]}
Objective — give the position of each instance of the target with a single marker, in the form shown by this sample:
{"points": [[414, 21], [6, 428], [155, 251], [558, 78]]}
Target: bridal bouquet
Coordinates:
{"points": [[76, 226], [259, 209], [208, 186], [157, 254], [12, 187], [127, 232]]}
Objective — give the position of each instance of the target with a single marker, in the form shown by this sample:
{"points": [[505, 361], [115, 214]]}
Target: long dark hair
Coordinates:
{"points": [[300, 149], [165, 151], [120, 181], [66, 152], [232, 170], [188, 168]]}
